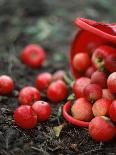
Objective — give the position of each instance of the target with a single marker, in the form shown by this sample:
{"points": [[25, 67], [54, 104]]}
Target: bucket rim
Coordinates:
{"points": [[89, 25]]}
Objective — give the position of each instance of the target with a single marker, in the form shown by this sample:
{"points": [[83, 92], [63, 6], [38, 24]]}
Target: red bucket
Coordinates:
{"points": [[91, 35]]}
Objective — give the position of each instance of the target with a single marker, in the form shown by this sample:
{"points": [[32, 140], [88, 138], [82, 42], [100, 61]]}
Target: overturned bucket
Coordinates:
{"points": [[91, 35]]}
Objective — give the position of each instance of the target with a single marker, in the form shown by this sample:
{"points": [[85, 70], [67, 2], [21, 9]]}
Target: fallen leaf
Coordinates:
{"points": [[58, 129], [71, 97]]}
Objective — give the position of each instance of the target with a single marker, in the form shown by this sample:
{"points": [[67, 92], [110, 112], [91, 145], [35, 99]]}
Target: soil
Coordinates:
{"points": [[58, 18]]}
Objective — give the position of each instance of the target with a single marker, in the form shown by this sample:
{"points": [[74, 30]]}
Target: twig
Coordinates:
{"points": [[90, 151], [39, 150], [54, 149], [18, 130]]}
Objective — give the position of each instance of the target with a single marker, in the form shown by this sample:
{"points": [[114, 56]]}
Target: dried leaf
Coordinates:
{"points": [[58, 129]]}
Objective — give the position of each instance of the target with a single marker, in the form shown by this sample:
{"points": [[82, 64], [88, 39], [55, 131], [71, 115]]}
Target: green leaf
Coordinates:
{"points": [[71, 97]]}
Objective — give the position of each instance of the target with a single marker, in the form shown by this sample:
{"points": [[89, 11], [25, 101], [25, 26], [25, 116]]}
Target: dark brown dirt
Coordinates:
{"points": [[52, 27]]}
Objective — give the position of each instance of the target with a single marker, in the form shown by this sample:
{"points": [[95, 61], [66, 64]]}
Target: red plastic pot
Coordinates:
{"points": [[91, 35], [70, 119]]}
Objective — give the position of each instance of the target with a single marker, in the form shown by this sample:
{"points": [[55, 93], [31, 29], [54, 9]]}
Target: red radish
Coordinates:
{"points": [[99, 55], [6, 84], [82, 110], [25, 117], [81, 61], [42, 109], [112, 111], [90, 70], [33, 55], [93, 92], [43, 80], [59, 75], [110, 62], [107, 94], [57, 91], [28, 95], [99, 78], [79, 86], [111, 82], [102, 129], [101, 107]]}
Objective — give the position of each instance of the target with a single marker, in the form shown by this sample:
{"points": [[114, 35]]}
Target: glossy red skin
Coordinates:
{"points": [[111, 82], [99, 78], [102, 129], [112, 111], [28, 95], [25, 117], [42, 109], [59, 75], [82, 110], [43, 80], [110, 63], [101, 107], [93, 92], [107, 94], [33, 55], [81, 61], [6, 84], [57, 91], [79, 85], [101, 53], [90, 70]]}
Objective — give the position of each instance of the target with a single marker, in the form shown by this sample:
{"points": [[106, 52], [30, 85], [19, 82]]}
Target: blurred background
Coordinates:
{"points": [[47, 22]]}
